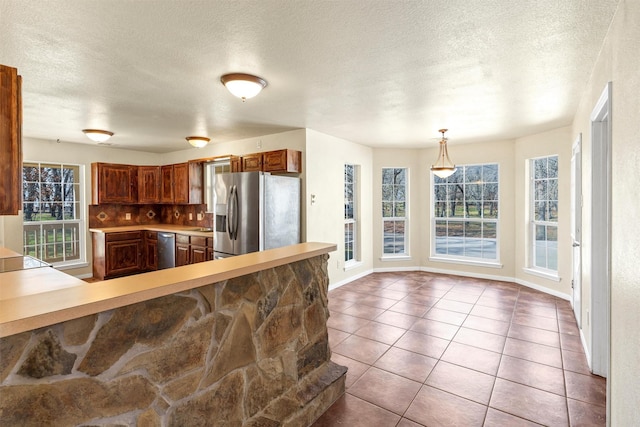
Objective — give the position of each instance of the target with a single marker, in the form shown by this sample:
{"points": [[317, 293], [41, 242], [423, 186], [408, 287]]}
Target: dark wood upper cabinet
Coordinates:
{"points": [[114, 183], [252, 162], [10, 141], [166, 184], [188, 183], [236, 163], [149, 184], [282, 161]]}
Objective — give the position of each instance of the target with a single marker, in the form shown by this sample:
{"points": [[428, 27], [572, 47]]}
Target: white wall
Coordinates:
{"points": [[326, 157], [619, 63]]}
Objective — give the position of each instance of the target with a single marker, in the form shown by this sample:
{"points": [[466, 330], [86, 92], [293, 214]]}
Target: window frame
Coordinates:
{"points": [[405, 254], [533, 222], [351, 222], [461, 259], [39, 249]]}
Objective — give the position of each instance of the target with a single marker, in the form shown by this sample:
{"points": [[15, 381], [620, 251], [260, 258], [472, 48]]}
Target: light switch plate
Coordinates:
{"points": [[127, 216]]}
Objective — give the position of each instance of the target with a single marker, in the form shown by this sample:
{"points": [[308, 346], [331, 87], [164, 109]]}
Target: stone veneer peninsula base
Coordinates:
{"points": [[247, 351]]}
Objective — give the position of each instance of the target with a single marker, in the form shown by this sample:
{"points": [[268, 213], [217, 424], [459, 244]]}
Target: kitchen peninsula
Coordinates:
{"points": [[237, 341]]}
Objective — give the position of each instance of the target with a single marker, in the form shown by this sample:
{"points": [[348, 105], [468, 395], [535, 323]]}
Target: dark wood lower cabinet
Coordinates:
{"points": [[198, 249], [151, 250], [117, 254], [182, 250]]}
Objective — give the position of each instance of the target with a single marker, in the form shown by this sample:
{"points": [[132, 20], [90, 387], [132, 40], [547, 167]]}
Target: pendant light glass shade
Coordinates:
{"points": [[244, 86], [97, 135], [443, 166], [198, 141]]}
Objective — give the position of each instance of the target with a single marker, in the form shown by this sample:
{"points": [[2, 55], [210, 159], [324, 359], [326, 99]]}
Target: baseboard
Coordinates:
{"points": [[350, 279], [587, 353], [544, 289], [525, 283], [467, 274]]}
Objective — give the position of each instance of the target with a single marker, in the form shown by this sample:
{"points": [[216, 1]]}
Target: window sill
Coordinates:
{"points": [[71, 266], [396, 258], [352, 265], [490, 264], [549, 275]]}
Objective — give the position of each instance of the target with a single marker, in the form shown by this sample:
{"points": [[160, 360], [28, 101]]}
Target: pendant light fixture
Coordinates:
{"points": [[443, 166], [97, 135], [244, 86], [198, 141]]}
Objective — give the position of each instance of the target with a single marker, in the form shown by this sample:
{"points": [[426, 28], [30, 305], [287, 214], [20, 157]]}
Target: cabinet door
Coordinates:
{"points": [[252, 163], [149, 184], [10, 141], [123, 257], [236, 164], [181, 183], [198, 254], [182, 254], [151, 252], [166, 184], [210, 255], [114, 183], [282, 161]]}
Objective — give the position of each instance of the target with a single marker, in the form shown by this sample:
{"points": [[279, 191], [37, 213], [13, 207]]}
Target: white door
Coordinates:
{"points": [[576, 228]]}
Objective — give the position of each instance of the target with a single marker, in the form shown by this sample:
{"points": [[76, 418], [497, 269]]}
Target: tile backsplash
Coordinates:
{"points": [[112, 215]]}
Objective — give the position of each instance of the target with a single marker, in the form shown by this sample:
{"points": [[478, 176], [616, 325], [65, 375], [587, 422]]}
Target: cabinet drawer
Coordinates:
{"points": [[199, 240], [151, 235], [182, 238], [125, 235]]}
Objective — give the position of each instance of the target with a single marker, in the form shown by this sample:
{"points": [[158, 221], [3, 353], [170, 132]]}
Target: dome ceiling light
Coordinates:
{"points": [[97, 135], [198, 141], [443, 166], [244, 86]]}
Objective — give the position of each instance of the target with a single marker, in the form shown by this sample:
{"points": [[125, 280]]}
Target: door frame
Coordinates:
{"points": [[576, 229], [601, 233]]}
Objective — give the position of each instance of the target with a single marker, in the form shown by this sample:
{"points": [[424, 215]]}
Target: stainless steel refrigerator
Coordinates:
{"points": [[255, 211]]}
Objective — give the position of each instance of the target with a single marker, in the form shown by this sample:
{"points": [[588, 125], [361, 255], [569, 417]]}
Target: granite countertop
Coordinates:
{"points": [[39, 297], [182, 229]]}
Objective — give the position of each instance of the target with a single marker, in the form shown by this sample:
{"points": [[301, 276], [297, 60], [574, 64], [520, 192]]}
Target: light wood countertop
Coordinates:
{"points": [[8, 253], [31, 299], [182, 229]]}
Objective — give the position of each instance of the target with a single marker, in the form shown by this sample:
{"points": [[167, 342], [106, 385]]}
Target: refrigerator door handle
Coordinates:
{"points": [[235, 211], [229, 213]]}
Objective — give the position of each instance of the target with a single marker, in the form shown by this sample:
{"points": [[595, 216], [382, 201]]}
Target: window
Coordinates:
{"points": [[394, 211], [52, 229], [350, 214], [465, 210], [544, 215]]}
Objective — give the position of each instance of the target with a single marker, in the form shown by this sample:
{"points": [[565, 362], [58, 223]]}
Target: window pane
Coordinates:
{"points": [[400, 211], [387, 176], [473, 174], [398, 193], [387, 209], [540, 168], [552, 166], [472, 195], [400, 176], [387, 192]]}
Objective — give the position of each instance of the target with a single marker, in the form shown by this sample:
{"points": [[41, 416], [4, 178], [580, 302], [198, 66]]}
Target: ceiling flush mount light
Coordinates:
{"points": [[97, 135], [443, 167], [198, 141], [244, 86]]}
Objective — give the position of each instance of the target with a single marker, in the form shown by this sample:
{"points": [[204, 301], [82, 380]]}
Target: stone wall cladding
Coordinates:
{"points": [[252, 350]]}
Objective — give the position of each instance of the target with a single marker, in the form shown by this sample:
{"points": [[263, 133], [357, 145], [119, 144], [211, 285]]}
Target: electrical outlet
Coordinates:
{"points": [[259, 144], [190, 216], [199, 216], [127, 216]]}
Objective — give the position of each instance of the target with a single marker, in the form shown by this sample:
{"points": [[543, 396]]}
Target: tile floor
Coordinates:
{"points": [[431, 350]]}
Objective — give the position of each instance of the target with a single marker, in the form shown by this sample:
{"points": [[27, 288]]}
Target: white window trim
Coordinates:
{"points": [[472, 261], [352, 263]]}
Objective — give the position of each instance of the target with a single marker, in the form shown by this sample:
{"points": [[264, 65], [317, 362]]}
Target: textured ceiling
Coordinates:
{"points": [[380, 73]]}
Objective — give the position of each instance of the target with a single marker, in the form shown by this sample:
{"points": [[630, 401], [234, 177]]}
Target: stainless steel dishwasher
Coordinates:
{"points": [[166, 250]]}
